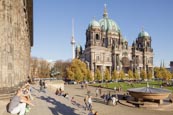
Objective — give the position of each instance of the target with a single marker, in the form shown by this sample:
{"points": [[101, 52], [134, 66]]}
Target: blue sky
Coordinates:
{"points": [[53, 24]]}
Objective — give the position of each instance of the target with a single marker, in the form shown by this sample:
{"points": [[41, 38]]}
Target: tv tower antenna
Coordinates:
{"points": [[73, 40]]}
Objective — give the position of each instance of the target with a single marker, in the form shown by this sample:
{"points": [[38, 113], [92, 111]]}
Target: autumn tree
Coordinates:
{"points": [[130, 74], [98, 76], [136, 75], [143, 74], [77, 70], [115, 75], [157, 72], [149, 75], [60, 67], [166, 74], [89, 76], [39, 67], [106, 74], [44, 69], [121, 74], [70, 73], [78, 75]]}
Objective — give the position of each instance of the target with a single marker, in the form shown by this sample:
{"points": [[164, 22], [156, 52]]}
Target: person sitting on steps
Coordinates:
{"points": [[18, 103]]}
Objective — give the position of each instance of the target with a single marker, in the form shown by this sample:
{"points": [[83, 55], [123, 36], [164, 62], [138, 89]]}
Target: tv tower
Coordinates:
{"points": [[73, 41]]}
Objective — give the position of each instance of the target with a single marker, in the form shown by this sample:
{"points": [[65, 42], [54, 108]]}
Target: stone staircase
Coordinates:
{"points": [[6, 96]]}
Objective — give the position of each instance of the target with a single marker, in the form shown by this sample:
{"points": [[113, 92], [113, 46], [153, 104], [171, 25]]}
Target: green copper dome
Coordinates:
{"points": [[78, 47], [94, 23], [108, 25], [143, 34], [124, 40]]}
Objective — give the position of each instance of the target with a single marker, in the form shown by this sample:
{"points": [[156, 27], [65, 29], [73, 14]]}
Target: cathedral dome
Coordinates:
{"points": [[94, 23], [124, 40], [78, 47], [108, 25], [143, 34]]}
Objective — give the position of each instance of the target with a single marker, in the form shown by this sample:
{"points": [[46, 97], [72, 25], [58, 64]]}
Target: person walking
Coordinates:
{"points": [[97, 92], [86, 102], [114, 100], [115, 89], [100, 90], [89, 103], [41, 85]]}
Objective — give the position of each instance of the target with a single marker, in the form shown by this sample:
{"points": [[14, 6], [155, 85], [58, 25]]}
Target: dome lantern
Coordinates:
{"points": [[105, 14]]}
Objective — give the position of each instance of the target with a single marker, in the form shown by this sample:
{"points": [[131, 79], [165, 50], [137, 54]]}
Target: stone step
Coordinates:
{"points": [[6, 96]]}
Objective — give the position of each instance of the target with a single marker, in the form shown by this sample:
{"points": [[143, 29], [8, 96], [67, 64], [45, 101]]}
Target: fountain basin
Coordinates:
{"points": [[149, 93]]}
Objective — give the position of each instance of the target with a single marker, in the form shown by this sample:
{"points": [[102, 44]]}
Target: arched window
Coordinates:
{"points": [[148, 44], [97, 37]]}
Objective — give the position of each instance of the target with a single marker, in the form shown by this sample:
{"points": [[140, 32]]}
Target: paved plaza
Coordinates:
{"points": [[47, 103]]}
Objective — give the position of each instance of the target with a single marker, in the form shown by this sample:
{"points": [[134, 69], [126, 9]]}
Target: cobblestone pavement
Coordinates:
{"points": [[47, 103], [103, 109]]}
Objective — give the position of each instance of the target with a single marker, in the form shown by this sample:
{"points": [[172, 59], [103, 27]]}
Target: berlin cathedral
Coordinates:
{"points": [[106, 47]]}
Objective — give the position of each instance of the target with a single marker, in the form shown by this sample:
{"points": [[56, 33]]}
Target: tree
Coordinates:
{"points": [[98, 75], [149, 75], [43, 69], [157, 73], [143, 74], [78, 76], [60, 66], [106, 74], [77, 70], [166, 74], [89, 76], [115, 75], [121, 74], [136, 75], [130, 74], [70, 73]]}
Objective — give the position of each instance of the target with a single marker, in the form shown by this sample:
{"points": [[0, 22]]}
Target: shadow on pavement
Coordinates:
{"points": [[60, 108], [79, 96]]}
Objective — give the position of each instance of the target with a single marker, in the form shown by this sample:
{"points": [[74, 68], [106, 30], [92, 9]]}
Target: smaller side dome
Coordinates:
{"points": [[124, 39], [94, 23], [143, 34], [78, 47]]}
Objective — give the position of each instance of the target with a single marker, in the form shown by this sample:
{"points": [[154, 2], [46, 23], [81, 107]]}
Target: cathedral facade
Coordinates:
{"points": [[16, 40], [106, 48]]}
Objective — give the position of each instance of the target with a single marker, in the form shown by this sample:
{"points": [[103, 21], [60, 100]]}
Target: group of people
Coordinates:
{"points": [[84, 85], [88, 102], [21, 102], [108, 97], [58, 91]]}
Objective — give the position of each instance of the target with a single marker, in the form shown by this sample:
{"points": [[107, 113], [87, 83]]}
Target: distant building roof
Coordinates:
{"points": [[171, 63]]}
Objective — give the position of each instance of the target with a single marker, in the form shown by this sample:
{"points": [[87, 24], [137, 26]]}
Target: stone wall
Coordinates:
{"points": [[15, 41]]}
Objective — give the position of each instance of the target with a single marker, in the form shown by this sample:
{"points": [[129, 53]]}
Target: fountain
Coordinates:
{"points": [[149, 93]]}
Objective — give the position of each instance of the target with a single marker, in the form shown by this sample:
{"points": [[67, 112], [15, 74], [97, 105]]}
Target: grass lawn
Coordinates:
{"points": [[126, 85]]}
